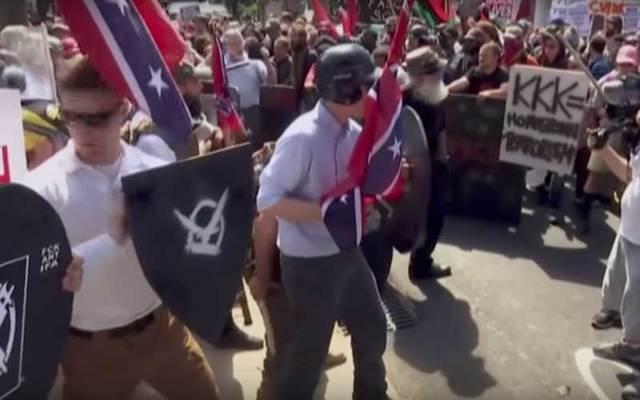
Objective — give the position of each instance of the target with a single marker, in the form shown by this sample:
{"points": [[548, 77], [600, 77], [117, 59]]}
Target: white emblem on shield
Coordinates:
{"points": [[7, 315], [205, 240]]}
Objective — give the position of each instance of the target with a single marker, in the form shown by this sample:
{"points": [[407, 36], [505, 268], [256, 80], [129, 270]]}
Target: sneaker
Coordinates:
{"points": [[631, 391], [237, 339], [421, 271], [333, 360], [619, 351], [606, 319]]}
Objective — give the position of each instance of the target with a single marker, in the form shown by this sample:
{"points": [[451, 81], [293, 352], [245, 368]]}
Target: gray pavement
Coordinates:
{"points": [[506, 325], [509, 321]]}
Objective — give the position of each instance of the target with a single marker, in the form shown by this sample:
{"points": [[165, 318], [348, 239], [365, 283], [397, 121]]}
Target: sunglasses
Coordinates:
{"points": [[93, 120]]}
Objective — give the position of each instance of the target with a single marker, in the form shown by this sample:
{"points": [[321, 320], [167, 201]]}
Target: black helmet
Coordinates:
{"points": [[342, 71]]}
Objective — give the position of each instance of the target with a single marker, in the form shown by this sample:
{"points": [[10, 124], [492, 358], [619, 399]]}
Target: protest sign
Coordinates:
{"points": [[500, 8], [606, 7], [542, 118], [188, 13], [474, 129], [13, 160], [573, 12]]}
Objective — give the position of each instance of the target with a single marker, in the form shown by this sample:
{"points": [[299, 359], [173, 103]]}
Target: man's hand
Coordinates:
{"points": [[73, 278], [259, 287]]}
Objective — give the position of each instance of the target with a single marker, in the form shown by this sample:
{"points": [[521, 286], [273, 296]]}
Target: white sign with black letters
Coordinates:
{"points": [[13, 160], [543, 117], [188, 13]]}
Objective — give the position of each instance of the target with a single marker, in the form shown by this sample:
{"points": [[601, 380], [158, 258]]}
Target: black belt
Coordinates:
{"points": [[136, 326]]}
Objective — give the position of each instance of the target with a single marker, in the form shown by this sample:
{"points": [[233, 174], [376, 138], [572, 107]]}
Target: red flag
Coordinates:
{"points": [[228, 118], [380, 132], [438, 7], [346, 23], [349, 18], [169, 42], [352, 10], [322, 18]]}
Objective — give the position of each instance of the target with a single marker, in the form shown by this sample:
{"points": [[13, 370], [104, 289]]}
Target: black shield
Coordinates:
{"points": [[191, 227], [278, 106], [408, 222], [35, 312]]}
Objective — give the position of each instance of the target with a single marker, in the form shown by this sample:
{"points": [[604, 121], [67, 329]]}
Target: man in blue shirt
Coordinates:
{"points": [[321, 282]]}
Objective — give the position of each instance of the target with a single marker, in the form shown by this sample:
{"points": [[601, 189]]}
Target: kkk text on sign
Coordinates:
{"points": [[542, 118]]}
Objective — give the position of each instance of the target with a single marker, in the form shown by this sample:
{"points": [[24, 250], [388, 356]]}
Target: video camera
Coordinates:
{"points": [[622, 111]]}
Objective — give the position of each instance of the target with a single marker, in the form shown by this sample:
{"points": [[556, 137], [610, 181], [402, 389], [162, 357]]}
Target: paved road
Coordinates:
{"points": [[508, 322], [506, 325]]}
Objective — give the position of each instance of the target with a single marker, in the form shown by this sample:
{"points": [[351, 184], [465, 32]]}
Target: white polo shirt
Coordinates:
{"points": [[114, 291]]}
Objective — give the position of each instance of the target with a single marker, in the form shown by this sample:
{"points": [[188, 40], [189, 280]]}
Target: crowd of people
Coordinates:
{"points": [[80, 144]]}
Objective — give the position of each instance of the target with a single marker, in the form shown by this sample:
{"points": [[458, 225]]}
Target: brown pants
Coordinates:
{"points": [[164, 354]]}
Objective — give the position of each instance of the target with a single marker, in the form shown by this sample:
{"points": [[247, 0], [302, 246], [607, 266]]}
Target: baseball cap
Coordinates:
{"points": [[627, 55]]}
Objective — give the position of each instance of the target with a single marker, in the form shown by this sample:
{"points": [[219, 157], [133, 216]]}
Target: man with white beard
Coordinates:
{"points": [[425, 93]]}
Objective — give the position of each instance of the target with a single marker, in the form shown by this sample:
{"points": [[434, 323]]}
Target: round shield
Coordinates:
{"points": [[408, 222], [35, 312]]}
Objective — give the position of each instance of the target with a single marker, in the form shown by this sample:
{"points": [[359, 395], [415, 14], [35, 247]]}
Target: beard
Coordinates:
{"points": [[430, 93]]}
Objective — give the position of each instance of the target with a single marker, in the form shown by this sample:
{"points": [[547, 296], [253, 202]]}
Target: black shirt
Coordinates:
{"points": [[479, 81], [284, 70], [432, 117]]}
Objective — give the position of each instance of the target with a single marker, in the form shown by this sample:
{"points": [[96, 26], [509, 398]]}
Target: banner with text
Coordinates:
{"points": [[579, 12], [13, 160], [501, 8], [542, 118]]}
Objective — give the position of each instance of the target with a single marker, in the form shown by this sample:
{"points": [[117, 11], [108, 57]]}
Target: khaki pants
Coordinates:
{"points": [[164, 354]]}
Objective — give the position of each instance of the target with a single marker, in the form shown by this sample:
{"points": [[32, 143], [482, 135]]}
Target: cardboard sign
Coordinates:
{"points": [[13, 160], [189, 12], [542, 118]]}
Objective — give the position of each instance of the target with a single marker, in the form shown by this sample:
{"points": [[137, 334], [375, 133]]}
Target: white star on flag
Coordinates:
{"points": [[343, 199], [122, 4], [395, 147], [156, 81]]}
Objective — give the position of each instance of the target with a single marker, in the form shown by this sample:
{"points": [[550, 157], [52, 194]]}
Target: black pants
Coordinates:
{"points": [[436, 213]]}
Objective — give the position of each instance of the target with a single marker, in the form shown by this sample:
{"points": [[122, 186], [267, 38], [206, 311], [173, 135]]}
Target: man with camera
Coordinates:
{"points": [[625, 254]]}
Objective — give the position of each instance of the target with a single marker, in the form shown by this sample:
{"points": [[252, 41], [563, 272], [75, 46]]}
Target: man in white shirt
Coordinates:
{"points": [[625, 260], [120, 333]]}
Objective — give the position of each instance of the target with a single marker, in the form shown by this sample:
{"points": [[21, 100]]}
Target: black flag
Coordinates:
{"points": [[35, 312], [191, 227]]}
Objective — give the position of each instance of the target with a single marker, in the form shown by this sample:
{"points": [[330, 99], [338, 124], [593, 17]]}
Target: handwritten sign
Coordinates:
{"points": [[500, 8], [574, 12], [188, 13], [13, 160], [606, 7], [542, 119]]}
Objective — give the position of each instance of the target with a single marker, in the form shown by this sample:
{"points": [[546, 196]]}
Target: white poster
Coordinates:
{"points": [[13, 160], [500, 8], [542, 118], [606, 7], [188, 13], [573, 12]]}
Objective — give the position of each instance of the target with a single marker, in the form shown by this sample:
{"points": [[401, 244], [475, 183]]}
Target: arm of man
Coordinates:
{"points": [[499, 93], [616, 163], [268, 74], [287, 169], [459, 85], [265, 232]]}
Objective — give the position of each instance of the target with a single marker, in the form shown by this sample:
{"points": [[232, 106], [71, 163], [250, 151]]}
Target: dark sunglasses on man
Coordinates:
{"points": [[92, 120]]}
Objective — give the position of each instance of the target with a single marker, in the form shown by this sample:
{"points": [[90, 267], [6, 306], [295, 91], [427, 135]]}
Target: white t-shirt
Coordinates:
{"points": [[630, 208], [114, 291]]}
